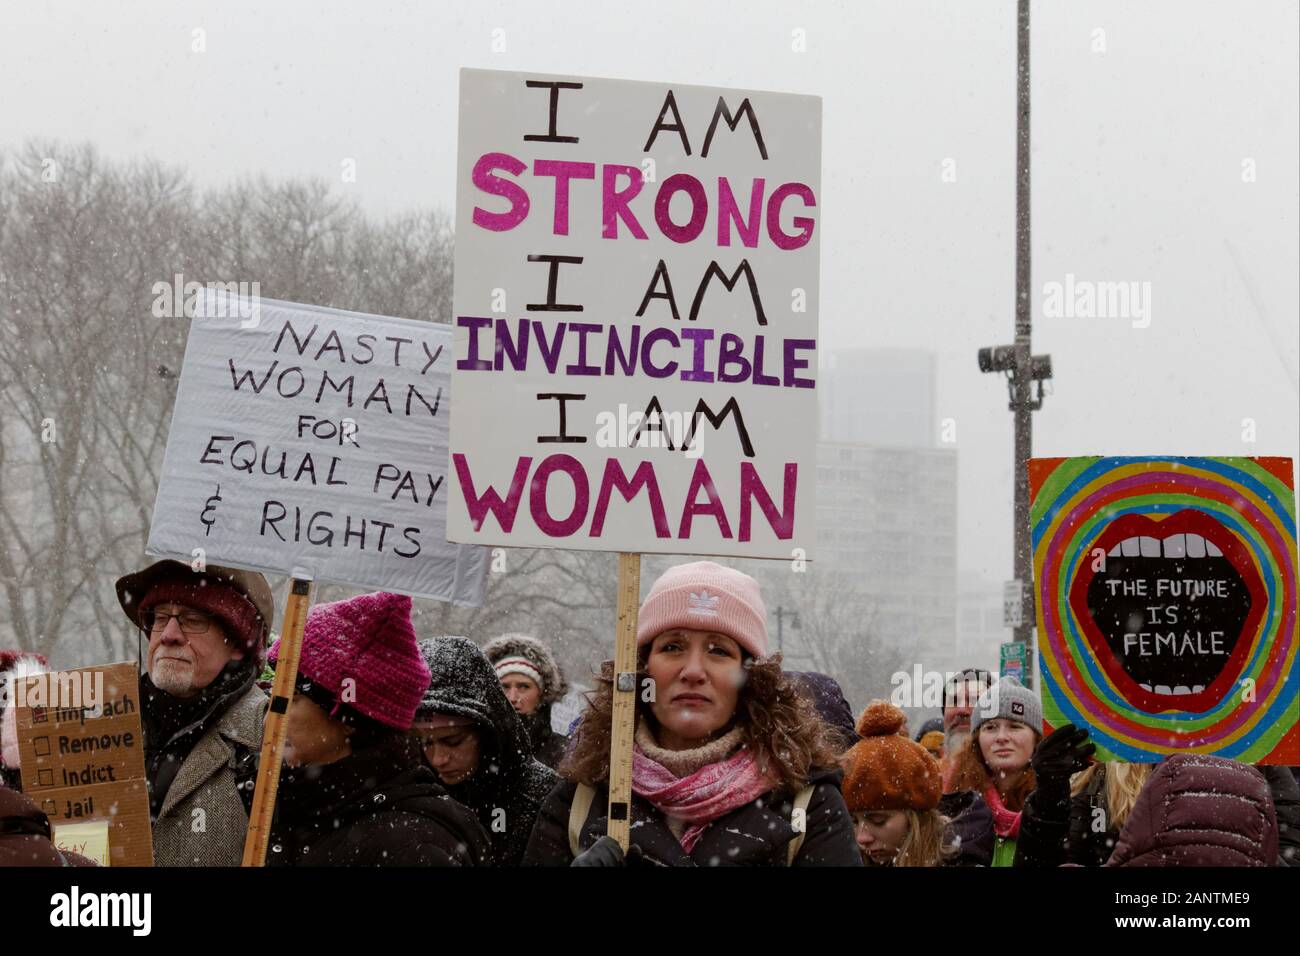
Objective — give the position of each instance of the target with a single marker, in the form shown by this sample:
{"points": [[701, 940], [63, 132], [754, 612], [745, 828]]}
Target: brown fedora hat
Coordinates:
{"points": [[201, 589]]}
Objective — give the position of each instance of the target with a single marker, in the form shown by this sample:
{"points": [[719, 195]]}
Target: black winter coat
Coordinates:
{"points": [[377, 807], [507, 790], [757, 834], [970, 826], [1286, 802], [548, 746]]}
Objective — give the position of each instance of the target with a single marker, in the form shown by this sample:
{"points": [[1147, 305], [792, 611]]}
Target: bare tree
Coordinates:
{"points": [[89, 376], [85, 418]]}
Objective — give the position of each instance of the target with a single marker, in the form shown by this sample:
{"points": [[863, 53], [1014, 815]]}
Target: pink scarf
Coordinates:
{"points": [[1005, 823], [710, 792]]}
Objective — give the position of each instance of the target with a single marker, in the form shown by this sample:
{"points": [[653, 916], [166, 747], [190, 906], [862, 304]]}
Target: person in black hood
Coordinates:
{"points": [[354, 790], [478, 745], [533, 683]]}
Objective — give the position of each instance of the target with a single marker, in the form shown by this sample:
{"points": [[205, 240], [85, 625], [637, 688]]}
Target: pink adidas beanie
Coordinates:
{"points": [[371, 641], [705, 596]]}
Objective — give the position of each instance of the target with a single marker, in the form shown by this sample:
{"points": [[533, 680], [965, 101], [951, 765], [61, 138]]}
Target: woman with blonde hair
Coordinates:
{"points": [[892, 787], [1077, 819]]}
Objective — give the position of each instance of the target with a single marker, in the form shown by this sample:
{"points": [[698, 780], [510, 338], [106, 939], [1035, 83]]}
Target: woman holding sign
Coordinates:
{"points": [[354, 791], [731, 765]]}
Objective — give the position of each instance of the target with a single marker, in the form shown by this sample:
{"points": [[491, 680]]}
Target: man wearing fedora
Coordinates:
{"points": [[201, 708]]}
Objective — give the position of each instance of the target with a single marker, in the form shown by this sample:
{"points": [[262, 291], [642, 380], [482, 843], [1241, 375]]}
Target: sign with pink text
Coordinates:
{"points": [[635, 328]]}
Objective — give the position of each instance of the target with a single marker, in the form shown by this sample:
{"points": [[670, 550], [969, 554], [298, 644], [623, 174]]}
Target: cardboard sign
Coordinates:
{"points": [[635, 316], [88, 839], [1167, 604], [314, 442], [82, 754]]}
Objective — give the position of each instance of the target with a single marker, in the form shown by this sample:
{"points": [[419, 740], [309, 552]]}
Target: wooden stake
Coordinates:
{"points": [[624, 716], [273, 730]]}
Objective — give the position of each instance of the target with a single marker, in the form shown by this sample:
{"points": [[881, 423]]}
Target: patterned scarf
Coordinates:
{"points": [[711, 791]]}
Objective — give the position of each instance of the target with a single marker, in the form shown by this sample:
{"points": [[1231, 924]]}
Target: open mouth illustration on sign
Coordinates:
{"points": [[1173, 611]]}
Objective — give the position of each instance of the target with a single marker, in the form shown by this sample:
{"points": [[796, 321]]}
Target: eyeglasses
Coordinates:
{"points": [[191, 622]]}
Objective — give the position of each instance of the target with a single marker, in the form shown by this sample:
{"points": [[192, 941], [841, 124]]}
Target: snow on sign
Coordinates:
{"points": [[635, 316], [314, 441], [1166, 596]]}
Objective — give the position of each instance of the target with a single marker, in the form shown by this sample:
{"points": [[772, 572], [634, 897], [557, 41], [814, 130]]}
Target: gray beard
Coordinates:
{"points": [[954, 741], [171, 679]]}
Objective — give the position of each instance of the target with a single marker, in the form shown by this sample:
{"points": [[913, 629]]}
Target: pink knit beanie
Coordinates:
{"points": [[371, 641], [705, 596]]}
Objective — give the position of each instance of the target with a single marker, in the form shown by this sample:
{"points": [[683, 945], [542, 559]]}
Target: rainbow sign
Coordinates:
{"points": [[1166, 604]]}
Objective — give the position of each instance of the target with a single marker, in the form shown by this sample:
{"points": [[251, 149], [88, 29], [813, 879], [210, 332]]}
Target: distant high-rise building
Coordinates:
{"points": [[882, 397], [887, 518], [980, 631]]}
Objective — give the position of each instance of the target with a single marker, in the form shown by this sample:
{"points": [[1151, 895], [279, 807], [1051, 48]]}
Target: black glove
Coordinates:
{"points": [[607, 852], [1059, 755]]}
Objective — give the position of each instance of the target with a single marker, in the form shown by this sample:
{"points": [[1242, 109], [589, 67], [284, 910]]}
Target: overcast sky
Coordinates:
{"points": [[1139, 153]]}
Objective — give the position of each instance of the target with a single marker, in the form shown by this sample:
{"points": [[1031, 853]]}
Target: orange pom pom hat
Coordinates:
{"points": [[887, 771]]}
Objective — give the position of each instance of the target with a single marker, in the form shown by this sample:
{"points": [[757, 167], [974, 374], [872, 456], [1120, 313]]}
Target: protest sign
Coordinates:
{"points": [[82, 754], [1166, 602], [636, 312], [87, 839], [314, 441]]}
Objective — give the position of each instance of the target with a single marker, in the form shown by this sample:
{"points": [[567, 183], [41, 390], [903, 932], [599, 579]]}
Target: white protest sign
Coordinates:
{"points": [[635, 316], [314, 441]]}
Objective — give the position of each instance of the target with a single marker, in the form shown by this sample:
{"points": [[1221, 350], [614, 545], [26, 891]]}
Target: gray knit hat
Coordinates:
{"points": [[1010, 699]]}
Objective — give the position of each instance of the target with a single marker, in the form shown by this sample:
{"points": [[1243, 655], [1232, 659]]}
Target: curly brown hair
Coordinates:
{"points": [[782, 729], [970, 772]]}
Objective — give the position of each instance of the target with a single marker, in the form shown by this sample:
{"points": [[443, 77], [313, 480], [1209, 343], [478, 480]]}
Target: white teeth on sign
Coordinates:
{"points": [[1197, 688], [1146, 687], [1174, 546], [1164, 689], [1180, 689]]}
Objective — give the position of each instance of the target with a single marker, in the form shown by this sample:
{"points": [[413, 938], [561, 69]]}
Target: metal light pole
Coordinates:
{"points": [[1024, 324], [781, 615], [1022, 367]]}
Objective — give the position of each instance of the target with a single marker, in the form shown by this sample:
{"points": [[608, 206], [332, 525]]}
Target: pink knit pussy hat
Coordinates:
{"points": [[705, 596], [369, 639]]}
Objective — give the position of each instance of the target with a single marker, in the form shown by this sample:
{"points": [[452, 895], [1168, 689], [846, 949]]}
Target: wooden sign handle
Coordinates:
{"points": [[273, 730], [623, 721]]}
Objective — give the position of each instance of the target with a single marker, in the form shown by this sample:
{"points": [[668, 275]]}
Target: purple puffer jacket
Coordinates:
{"points": [[1200, 811]]}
